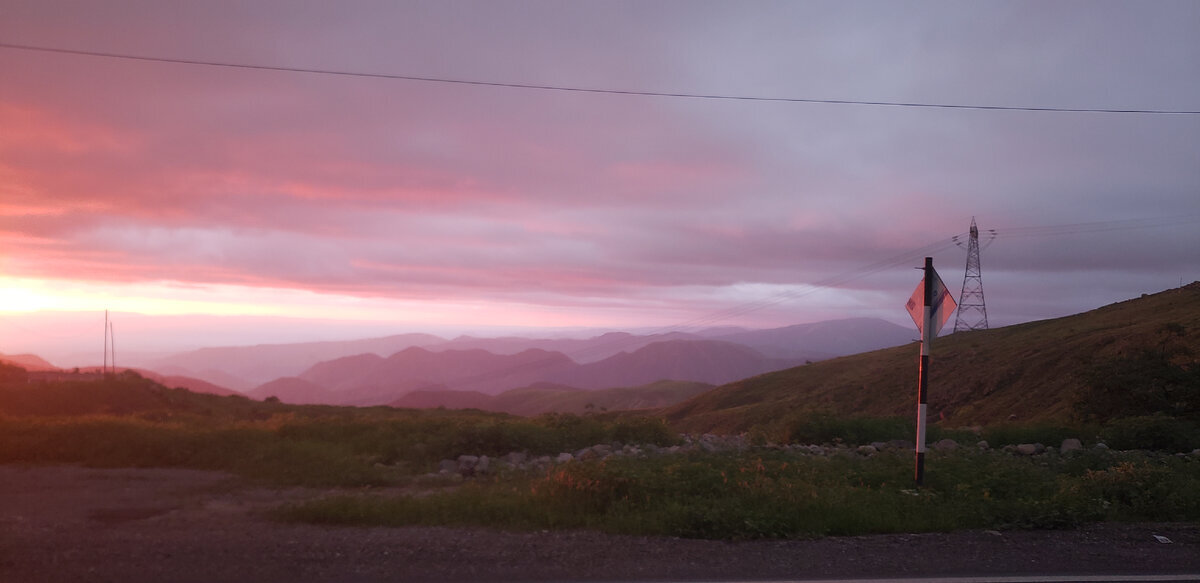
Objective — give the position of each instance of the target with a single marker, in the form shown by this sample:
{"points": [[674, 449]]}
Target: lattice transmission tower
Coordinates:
{"points": [[972, 312]]}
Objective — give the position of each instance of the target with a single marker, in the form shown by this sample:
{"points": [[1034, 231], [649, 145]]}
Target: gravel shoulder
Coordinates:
{"points": [[66, 523]]}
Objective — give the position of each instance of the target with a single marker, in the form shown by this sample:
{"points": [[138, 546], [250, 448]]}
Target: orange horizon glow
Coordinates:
{"points": [[22, 295]]}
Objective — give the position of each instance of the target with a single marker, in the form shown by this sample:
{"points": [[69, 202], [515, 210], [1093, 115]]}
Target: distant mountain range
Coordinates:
{"points": [[368, 379], [485, 371], [246, 367], [1030, 373], [28, 362]]}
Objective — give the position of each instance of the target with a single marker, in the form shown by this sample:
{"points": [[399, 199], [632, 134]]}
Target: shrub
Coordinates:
{"points": [[1014, 434], [1158, 380], [826, 428], [1154, 432]]}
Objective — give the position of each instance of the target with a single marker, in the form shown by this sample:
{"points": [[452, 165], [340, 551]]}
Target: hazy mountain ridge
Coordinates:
{"points": [[364, 372], [367, 379], [245, 367], [253, 365], [706, 361], [582, 350], [821, 340], [29, 362]]}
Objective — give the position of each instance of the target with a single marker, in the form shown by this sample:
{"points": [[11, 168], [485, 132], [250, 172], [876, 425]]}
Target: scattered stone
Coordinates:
{"points": [[945, 445], [466, 464], [881, 445], [563, 458], [483, 465], [1071, 444], [867, 450], [983, 445], [447, 467], [1030, 448], [1100, 446]]}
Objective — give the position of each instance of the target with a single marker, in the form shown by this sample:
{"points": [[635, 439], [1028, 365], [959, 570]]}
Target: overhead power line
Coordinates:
{"points": [[563, 88]]}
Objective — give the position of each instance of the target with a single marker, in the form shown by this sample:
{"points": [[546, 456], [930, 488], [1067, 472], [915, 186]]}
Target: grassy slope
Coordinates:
{"points": [[1030, 371]]}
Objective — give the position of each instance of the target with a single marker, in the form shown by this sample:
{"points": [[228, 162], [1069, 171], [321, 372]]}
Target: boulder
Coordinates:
{"points": [[945, 445], [1030, 448], [564, 458], [867, 450], [1071, 444], [466, 464], [983, 445]]}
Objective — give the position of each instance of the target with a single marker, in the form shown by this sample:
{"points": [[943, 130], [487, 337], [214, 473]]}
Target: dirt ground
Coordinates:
{"points": [[130, 525]]}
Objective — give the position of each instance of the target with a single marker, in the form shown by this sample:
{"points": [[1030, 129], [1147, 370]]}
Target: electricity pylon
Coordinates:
{"points": [[972, 312]]}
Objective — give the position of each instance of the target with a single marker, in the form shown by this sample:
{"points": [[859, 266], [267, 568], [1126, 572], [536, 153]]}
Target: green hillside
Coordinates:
{"points": [[1031, 372]]}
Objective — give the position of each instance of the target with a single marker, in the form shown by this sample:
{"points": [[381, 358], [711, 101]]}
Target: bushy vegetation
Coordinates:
{"points": [[1157, 380], [819, 428], [828, 428], [774, 495], [321, 450], [128, 421]]}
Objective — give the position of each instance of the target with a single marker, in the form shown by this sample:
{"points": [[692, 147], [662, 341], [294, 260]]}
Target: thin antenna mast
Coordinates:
{"points": [[104, 368], [112, 343]]}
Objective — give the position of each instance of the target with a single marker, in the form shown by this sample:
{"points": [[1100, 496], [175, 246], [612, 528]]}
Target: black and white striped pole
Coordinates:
{"points": [[923, 367], [930, 306]]}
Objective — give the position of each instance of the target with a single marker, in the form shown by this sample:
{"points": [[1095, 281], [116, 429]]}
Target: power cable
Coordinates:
{"points": [[898, 260], [1097, 227], [563, 88]]}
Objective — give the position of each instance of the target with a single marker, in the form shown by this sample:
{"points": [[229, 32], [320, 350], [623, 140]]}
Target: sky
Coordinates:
{"points": [[258, 200]]}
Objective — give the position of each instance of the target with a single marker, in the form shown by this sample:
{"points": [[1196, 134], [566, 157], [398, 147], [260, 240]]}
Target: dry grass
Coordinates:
{"points": [[1029, 372]]}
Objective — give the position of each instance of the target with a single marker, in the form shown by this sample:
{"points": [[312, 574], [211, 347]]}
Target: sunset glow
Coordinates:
{"points": [[171, 189]]}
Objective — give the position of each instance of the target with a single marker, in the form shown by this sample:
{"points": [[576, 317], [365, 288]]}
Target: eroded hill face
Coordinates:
{"points": [[1027, 372]]}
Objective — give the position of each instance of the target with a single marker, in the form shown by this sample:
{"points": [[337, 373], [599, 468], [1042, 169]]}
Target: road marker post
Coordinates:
{"points": [[930, 307]]}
